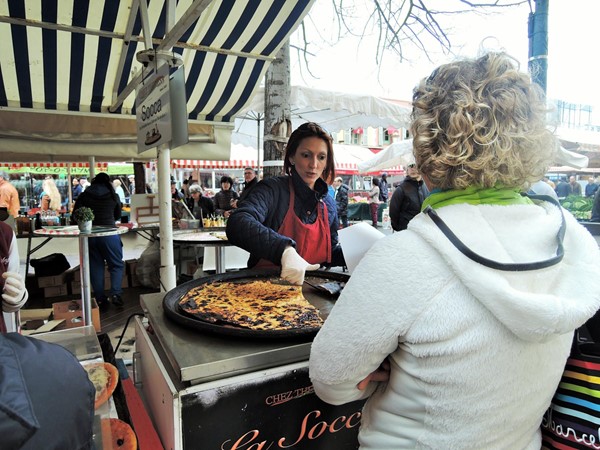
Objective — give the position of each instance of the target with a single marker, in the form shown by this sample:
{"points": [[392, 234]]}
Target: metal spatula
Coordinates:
{"points": [[332, 288]]}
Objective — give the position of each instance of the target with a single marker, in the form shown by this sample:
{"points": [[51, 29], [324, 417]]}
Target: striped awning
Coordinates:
{"points": [[80, 56], [201, 164]]}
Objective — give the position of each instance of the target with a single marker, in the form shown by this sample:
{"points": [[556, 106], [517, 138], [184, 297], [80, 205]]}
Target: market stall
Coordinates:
{"points": [[361, 211], [197, 377]]}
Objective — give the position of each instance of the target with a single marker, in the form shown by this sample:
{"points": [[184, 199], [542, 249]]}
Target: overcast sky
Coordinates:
{"points": [[349, 66]]}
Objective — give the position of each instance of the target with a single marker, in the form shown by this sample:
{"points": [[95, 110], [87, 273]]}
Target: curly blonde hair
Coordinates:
{"points": [[481, 122]]}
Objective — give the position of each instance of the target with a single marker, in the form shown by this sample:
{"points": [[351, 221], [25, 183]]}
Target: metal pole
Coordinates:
{"points": [[167, 265], [538, 43]]}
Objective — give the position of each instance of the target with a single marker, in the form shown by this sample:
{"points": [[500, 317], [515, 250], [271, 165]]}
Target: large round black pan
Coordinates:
{"points": [[320, 300]]}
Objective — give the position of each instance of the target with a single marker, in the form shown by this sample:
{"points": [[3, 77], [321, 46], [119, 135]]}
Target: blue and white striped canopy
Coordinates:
{"points": [[80, 55]]}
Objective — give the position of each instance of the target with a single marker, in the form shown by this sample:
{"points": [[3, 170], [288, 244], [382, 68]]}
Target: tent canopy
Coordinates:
{"points": [[333, 110], [396, 154], [79, 59], [347, 159]]}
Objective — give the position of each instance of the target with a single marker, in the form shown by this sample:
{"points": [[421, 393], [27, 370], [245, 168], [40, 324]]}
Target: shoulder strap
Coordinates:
{"points": [[512, 267]]}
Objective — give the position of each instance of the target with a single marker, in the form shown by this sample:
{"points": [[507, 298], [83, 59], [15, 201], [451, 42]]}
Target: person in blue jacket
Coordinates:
{"points": [[46, 397], [290, 220]]}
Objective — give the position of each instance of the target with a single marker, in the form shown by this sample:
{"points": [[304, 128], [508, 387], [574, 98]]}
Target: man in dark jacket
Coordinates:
{"points": [[250, 180], [104, 201], [407, 199], [383, 188], [46, 396], [563, 189], [341, 200]]}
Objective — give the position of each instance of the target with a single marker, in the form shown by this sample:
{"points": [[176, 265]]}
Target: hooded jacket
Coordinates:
{"points": [[46, 398], [104, 201], [476, 353], [406, 202], [341, 200], [253, 225]]}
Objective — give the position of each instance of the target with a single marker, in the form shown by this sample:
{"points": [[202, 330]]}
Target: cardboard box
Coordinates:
{"points": [[75, 287], [55, 280], [74, 274], [71, 312], [35, 314], [55, 291], [131, 265]]}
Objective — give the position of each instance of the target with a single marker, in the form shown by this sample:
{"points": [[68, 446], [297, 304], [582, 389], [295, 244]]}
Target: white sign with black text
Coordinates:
{"points": [[153, 110]]}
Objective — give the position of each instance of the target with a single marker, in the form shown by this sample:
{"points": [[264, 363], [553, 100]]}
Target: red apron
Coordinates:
{"points": [[313, 240]]}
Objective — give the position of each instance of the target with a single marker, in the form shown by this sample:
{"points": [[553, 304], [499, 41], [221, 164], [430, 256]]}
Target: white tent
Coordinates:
{"points": [[396, 154], [347, 159], [401, 153], [332, 110]]}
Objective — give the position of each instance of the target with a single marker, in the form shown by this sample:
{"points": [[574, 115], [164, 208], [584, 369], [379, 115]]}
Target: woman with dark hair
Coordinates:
{"points": [[101, 197], [225, 198], [290, 220]]}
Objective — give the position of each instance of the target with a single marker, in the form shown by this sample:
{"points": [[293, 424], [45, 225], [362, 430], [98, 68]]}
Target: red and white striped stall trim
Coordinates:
{"points": [[99, 165], [203, 164]]}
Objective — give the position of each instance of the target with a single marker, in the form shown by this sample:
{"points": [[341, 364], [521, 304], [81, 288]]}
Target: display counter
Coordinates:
{"points": [[231, 393]]}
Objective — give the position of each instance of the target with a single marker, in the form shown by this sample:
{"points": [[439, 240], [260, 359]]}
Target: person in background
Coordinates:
{"points": [[119, 190], [104, 201], [550, 182], [175, 194], [12, 284], [224, 200], [84, 183], [341, 201], [185, 189], [331, 191], [407, 198], [575, 186], [472, 318], [9, 197], [75, 189], [131, 185], [596, 208], [289, 220], [373, 201], [250, 180], [200, 206], [383, 188], [50, 197], [563, 189], [591, 187], [540, 187]]}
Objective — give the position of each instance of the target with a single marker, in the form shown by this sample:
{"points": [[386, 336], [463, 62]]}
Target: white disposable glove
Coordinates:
{"points": [[293, 266], [14, 294]]}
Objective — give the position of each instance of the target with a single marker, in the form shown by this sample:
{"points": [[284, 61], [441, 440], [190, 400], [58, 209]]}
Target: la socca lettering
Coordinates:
{"points": [[309, 429], [151, 110]]}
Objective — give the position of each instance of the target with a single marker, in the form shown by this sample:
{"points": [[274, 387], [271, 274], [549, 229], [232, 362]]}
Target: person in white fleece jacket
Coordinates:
{"points": [[460, 339]]}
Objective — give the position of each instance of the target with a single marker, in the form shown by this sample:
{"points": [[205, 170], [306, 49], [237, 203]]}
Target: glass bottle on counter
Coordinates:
{"points": [[38, 221]]}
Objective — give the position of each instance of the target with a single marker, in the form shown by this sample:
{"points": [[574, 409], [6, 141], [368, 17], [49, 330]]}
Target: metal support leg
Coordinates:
{"points": [[84, 268]]}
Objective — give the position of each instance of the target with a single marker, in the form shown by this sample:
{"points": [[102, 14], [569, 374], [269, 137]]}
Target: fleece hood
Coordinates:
{"points": [[533, 304]]}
